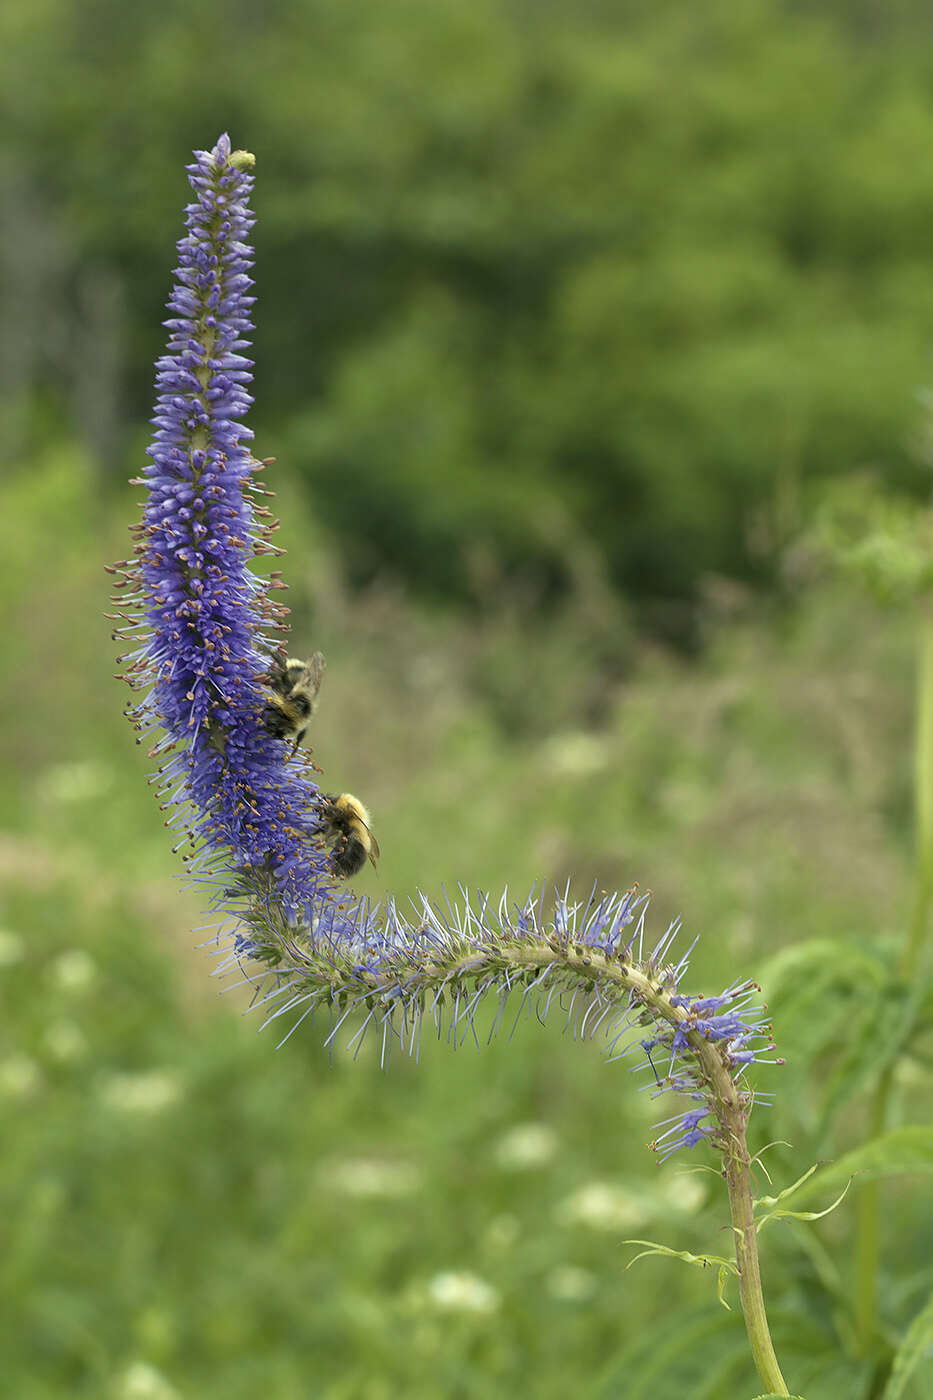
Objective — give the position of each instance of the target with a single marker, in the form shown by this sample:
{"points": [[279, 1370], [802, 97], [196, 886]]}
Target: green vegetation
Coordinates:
{"points": [[579, 327], [182, 1196], [628, 282]]}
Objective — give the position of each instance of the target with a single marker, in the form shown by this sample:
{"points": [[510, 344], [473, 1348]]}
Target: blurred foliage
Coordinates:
{"points": [[635, 275], [568, 317], [878, 537], [191, 1213]]}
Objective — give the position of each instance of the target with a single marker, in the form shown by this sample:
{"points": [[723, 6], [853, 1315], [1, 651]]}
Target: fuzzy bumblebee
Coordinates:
{"points": [[346, 828], [294, 687]]}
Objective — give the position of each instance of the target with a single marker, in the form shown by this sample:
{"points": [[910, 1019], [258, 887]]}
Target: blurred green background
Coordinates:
{"points": [[568, 317]]}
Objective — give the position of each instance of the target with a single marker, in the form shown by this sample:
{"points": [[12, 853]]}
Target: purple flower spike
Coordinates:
{"points": [[204, 624], [202, 628]]}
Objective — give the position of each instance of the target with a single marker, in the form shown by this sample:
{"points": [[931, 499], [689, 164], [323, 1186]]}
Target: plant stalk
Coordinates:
{"points": [[738, 1180], [732, 1111], [868, 1200]]}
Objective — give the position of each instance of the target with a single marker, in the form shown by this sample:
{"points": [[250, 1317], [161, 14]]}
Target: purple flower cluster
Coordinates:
{"points": [[202, 621], [203, 627], [588, 962]]}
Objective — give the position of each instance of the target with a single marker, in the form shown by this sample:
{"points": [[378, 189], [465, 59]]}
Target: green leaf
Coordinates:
{"points": [[898, 1153], [912, 1350], [826, 1274], [727, 1373], [781, 1214], [797, 965], [702, 1261], [665, 1359], [885, 1022], [788, 1190], [822, 996]]}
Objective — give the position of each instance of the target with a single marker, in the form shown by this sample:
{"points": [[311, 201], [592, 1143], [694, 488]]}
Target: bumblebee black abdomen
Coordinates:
{"points": [[294, 685], [345, 826], [348, 858], [282, 718]]}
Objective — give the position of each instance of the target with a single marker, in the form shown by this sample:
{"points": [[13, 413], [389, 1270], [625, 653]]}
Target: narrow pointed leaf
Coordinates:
{"points": [[916, 1347], [902, 1152]]}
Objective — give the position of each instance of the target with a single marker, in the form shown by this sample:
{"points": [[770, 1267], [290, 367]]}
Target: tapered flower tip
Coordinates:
{"points": [[223, 155]]}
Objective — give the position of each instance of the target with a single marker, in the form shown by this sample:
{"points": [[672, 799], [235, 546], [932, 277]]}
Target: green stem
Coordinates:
{"points": [[732, 1110], [868, 1200], [912, 951], [347, 984], [738, 1180], [868, 1229]]}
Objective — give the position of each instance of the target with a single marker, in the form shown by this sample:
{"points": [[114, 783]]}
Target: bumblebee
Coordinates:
{"points": [[294, 685], [346, 828]]}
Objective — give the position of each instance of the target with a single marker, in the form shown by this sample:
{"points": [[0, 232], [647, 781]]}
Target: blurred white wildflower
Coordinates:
{"points": [[140, 1381], [65, 1042], [575, 754], [526, 1145], [74, 782], [371, 1177], [12, 948], [462, 1292], [686, 1192], [570, 1284], [149, 1092], [601, 1205], [74, 970], [19, 1076]]}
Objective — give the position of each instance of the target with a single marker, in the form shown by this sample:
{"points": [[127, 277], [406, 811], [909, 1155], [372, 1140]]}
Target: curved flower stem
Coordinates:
{"points": [[197, 618], [614, 977]]}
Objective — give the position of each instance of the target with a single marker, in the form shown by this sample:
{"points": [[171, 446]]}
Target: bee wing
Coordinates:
{"points": [[374, 851], [311, 677], [267, 649], [274, 674]]}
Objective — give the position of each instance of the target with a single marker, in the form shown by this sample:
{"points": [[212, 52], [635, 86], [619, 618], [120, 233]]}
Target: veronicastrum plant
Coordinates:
{"points": [[200, 627]]}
